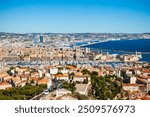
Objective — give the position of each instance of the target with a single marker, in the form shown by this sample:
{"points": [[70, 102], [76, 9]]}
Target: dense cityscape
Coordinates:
{"points": [[64, 39], [74, 58], [52, 66]]}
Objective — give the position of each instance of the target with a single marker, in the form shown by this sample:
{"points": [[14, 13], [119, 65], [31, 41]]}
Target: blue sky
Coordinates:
{"points": [[114, 16]]}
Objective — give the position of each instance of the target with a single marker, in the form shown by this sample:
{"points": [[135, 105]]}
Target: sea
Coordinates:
{"points": [[124, 47]]}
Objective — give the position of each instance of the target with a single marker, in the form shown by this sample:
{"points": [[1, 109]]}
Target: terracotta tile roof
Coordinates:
{"points": [[49, 67], [5, 83], [130, 85], [145, 98], [3, 74], [44, 80], [146, 70], [34, 78], [71, 67], [61, 75], [145, 77]]}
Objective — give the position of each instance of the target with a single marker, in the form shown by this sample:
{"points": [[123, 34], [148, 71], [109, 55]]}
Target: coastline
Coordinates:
{"points": [[114, 50], [145, 54], [93, 43]]}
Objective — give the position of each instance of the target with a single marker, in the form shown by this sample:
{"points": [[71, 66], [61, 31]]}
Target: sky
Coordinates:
{"points": [[75, 16]]}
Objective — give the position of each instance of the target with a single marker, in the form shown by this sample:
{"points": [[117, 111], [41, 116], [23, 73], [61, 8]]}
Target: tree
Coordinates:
{"points": [[20, 93], [70, 86], [104, 87], [85, 71], [94, 73], [149, 92], [85, 81], [11, 68], [71, 76], [80, 96], [9, 72], [32, 81]]}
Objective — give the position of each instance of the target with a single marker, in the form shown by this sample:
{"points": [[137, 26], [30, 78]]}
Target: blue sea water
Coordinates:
{"points": [[125, 46]]}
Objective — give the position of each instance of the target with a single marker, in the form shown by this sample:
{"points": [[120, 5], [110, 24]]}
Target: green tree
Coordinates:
{"points": [[85, 71], [71, 76], [70, 86], [21, 93], [94, 73], [104, 87]]}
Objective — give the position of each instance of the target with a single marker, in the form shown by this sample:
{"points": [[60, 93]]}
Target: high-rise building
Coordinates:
{"points": [[41, 39]]}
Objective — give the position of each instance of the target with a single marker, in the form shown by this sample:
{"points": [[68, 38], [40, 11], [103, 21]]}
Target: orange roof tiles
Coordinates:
{"points": [[3, 74], [44, 80], [34, 78], [49, 67], [5, 83], [71, 67], [8, 77], [61, 75], [146, 70], [130, 85], [146, 98]]}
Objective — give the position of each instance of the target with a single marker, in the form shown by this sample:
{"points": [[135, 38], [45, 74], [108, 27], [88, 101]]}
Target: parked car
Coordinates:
{"points": [[46, 92]]}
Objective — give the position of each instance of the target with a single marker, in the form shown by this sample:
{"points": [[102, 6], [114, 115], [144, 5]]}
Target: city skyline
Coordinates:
{"points": [[80, 16]]}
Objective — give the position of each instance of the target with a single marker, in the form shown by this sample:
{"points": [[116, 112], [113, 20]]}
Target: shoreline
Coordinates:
{"points": [[108, 41], [113, 50], [121, 51]]}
